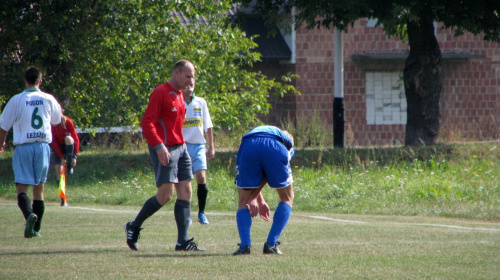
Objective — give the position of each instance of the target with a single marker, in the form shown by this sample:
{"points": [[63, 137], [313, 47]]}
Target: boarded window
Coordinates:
{"points": [[385, 98]]}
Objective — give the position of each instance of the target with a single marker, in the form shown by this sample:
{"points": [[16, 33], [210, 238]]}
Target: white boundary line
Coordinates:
{"points": [[334, 220], [416, 224], [299, 215], [458, 227]]}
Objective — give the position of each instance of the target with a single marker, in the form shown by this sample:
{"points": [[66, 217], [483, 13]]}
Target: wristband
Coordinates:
{"points": [[157, 147]]}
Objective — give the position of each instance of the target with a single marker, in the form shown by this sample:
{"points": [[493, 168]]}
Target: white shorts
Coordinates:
{"points": [[31, 163]]}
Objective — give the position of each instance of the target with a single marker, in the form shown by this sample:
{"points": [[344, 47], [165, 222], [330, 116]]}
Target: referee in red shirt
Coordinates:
{"points": [[162, 128]]}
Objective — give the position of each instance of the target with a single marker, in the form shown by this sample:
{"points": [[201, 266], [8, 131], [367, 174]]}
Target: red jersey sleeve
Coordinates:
{"points": [[57, 130], [151, 116]]}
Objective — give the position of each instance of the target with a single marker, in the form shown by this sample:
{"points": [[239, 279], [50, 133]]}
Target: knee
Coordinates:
{"points": [[68, 140], [184, 193], [287, 195], [288, 201], [163, 198], [201, 177]]}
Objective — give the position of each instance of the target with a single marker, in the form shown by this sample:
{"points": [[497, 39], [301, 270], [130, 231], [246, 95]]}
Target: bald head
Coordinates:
{"points": [[183, 75]]}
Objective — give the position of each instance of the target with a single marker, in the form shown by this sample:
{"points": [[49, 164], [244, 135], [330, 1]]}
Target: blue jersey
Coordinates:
{"points": [[271, 132]]}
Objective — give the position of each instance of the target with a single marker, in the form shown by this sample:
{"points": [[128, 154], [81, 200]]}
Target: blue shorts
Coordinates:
{"points": [[177, 169], [198, 156], [262, 157], [30, 163]]}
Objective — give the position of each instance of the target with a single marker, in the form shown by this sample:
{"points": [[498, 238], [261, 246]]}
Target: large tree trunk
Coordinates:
{"points": [[422, 79]]}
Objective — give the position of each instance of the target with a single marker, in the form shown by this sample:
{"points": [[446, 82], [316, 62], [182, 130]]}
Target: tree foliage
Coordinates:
{"points": [[409, 19], [482, 16], [104, 58]]}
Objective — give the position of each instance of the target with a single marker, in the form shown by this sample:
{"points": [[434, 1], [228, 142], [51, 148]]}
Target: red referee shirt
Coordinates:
{"points": [[163, 119], [59, 133]]}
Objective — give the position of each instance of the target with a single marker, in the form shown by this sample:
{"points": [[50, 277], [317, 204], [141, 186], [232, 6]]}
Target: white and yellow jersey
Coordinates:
{"points": [[197, 121], [30, 114]]}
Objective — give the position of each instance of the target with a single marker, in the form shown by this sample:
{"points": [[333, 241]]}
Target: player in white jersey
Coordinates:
{"points": [[197, 124], [30, 114]]}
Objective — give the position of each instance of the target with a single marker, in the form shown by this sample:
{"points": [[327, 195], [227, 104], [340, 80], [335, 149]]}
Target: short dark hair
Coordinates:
{"points": [[181, 64], [33, 75]]}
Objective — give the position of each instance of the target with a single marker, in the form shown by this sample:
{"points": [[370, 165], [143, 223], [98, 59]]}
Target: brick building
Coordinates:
{"points": [[374, 100]]}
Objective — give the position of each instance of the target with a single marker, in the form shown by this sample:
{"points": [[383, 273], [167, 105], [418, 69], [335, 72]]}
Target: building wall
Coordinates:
{"points": [[470, 102], [282, 109], [470, 105]]}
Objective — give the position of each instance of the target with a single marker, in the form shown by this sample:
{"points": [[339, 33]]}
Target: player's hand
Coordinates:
{"points": [[163, 155], [264, 212], [2, 147], [253, 208], [210, 153]]}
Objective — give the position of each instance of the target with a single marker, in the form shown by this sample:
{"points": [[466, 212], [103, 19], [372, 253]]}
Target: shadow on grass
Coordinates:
{"points": [[121, 250], [61, 252], [182, 255]]}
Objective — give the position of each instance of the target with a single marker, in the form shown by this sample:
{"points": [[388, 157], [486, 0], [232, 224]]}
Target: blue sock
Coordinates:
{"points": [[244, 222], [280, 219]]}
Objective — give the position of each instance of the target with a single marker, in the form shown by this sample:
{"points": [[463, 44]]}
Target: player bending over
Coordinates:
{"points": [[263, 157]]}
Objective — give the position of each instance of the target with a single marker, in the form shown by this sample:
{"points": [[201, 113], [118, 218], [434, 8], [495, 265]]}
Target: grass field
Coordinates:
{"points": [[376, 213], [88, 242], [459, 181]]}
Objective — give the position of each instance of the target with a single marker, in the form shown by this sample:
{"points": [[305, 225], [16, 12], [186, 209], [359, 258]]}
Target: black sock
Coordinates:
{"points": [[148, 209], [69, 155], [202, 197], [38, 209], [182, 213], [24, 203]]}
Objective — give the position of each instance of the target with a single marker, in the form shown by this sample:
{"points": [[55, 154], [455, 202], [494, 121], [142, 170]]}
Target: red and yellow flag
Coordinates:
{"points": [[62, 185]]}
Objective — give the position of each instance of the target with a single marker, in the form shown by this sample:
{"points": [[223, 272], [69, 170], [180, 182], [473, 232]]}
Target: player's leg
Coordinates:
{"points": [[23, 176], [279, 176], [182, 208], [164, 192], [202, 193], [182, 213], [132, 229], [199, 166], [244, 222], [41, 169], [280, 219], [38, 207], [30, 163], [249, 177], [24, 203], [69, 149]]}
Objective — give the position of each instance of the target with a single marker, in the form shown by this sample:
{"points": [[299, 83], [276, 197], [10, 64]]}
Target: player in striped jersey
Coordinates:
{"points": [[197, 125]]}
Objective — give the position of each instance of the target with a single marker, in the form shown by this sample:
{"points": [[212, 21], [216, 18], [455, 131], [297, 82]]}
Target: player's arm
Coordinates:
{"points": [[210, 140], [56, 145], [74, 135], [264, 211], [256, 203], [209, 132], [151, 115], [7, 120], [3, 136], [56, 115]]}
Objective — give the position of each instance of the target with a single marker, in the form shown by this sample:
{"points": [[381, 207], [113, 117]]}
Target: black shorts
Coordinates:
{"points": [[178, 168], [55, 157]]}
